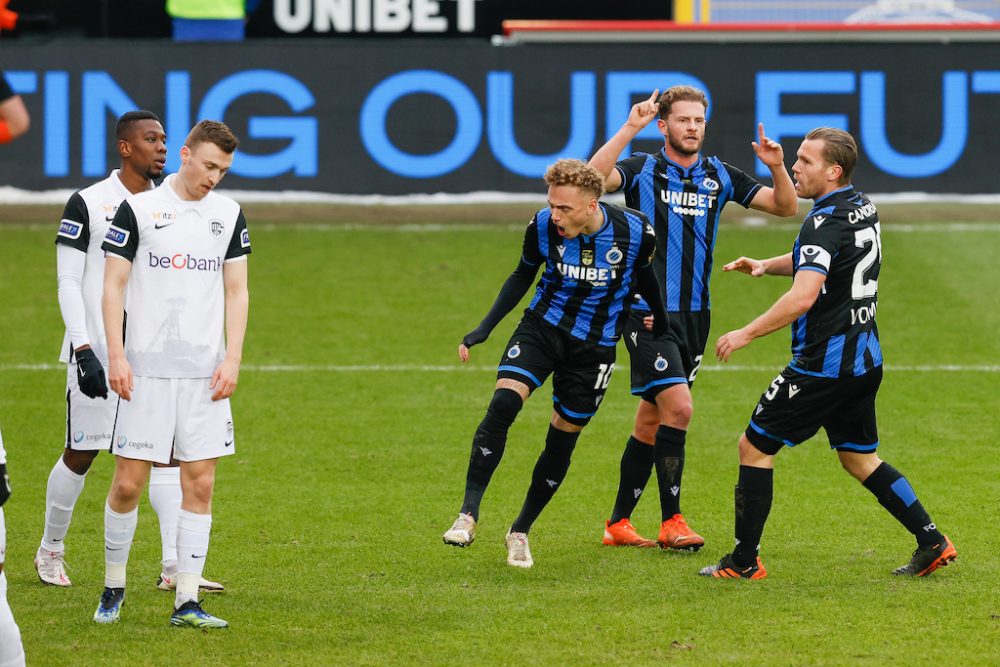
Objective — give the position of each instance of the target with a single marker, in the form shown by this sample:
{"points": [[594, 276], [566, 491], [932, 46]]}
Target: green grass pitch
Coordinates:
{"points": [[353, 423]]}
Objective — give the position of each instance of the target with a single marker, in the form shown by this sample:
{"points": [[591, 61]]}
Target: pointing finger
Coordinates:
{"points": [[652, 98]]}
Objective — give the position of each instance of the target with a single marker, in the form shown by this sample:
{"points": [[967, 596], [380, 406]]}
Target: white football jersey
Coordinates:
{"points": [[85, 221], [175, 298]]}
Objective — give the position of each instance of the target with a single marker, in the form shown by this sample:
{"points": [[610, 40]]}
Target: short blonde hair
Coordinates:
{"points": [[839, 148], [679, 94], [577, 173]]}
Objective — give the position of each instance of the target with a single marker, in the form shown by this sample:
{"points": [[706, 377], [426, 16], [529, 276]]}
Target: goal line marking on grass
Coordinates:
{"points": [[421, 368]]}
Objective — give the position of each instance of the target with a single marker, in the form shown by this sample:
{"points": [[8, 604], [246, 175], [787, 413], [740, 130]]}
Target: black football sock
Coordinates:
{"points": [[669, 456], [753, 503], [550, 471], [636, 467], [895, 494], [488, 446]]}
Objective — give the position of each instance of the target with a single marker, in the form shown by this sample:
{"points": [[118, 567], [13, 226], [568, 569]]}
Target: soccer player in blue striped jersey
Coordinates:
{"points": [[836, 367], [683, 193], [594, 257]]}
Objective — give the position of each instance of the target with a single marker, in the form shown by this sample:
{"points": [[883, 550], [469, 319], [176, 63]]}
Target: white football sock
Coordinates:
{"points": [[63, 489], [165, 497], [11, 650], [193, 531], [119, 529]]}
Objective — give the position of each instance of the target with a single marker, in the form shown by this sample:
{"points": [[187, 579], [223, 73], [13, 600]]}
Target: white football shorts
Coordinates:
{"points": [[88, 420], [173, 415]]}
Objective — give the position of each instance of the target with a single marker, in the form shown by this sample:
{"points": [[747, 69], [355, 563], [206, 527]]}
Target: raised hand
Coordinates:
{"points": [[768, 151]]}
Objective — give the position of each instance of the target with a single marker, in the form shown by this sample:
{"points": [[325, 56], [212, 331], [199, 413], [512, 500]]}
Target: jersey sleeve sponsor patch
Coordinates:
{"points": [[814, 256], [116, 236], [245, 239], [70, 229]]}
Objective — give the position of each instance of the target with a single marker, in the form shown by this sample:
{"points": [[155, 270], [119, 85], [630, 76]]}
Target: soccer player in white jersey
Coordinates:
{"points": [[176, 263], [90, 414], [11, 650]]}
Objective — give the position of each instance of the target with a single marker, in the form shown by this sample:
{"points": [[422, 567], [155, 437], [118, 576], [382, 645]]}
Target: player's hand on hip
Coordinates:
{"points": [[120, 377], [729, 343], [90, 374], [224, 380], [768, 151], [748, 265], [644, 112]]}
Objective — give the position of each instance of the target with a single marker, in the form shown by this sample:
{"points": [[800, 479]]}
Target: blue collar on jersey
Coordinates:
{"points": [[833, 192], [663, 153]]}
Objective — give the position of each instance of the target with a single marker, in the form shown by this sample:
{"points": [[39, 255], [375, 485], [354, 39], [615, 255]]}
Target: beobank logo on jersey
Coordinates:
{"points": [[185, 262]]}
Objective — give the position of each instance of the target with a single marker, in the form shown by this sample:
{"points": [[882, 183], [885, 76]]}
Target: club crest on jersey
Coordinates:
{"points": [[70, 229], [216, 227], [613, 256], [587, 256], [660, 364], [514, 352], [117, 236], [710, 184], [245, 239]]}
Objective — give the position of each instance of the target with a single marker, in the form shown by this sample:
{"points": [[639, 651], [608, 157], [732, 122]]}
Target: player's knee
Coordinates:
{"points": [[674, 407], [502, 411], [79, 462], [125, 490], [199, 489]]}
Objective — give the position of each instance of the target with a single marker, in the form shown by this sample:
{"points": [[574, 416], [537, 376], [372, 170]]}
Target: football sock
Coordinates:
{"points": [[11, 651], [193, 531], [636, 466], [753, 503], [669, 456], [488, 446], [895, 494], [550, 471], [61, 493], [165, 497], [119, 529]]}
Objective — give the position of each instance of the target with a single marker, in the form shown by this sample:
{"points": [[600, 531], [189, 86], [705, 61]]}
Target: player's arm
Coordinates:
{"points": [[781, 199], [70, 265], [773, 266], [514, 288], [116, 272], [789, 307], [121, 243], [226, 376], [604, 159]]}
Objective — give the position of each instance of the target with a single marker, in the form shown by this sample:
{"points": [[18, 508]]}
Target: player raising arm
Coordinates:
{"points": [[836, 367]]}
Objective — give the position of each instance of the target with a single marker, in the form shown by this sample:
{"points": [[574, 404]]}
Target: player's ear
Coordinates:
{"points": [[185, 154], [124, 148]]}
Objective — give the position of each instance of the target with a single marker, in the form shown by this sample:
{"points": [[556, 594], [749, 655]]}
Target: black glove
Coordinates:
{"points": [[90, 374], [4, 484]]}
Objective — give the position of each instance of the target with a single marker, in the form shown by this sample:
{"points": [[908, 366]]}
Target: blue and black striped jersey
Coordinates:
{"points": [[684, 205], [588, 282], [841, 238]]}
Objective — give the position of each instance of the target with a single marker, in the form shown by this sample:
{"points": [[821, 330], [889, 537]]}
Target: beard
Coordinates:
{"points": [[678, 146]]}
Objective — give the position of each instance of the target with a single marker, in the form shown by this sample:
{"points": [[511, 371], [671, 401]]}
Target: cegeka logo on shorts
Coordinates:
{"points": [[182, 261]]}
